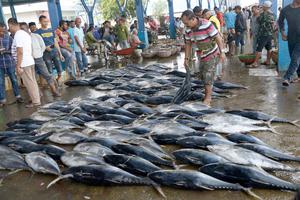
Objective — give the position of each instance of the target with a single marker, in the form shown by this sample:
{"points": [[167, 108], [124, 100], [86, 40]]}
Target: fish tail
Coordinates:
{"points": [[58, 179], [295, 123], [250, 193], [272, 129], [158, 189]]}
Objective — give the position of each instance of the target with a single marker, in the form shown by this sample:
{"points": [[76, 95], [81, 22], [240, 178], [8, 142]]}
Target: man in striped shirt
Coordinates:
{"points": [[202, 35]]}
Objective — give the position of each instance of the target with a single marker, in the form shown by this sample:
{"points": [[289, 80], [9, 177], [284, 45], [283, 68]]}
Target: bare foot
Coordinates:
{"points": [[207, 102], [297, 80]]}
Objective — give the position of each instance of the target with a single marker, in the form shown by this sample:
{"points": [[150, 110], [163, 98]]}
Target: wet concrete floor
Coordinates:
{"points": [[264, 93]]}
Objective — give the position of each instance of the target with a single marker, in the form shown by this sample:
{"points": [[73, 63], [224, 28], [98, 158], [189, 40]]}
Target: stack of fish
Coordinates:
{"points": [[116, 140]]}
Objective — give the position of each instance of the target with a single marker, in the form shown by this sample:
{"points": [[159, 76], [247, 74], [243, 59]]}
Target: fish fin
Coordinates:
{"points": [[58, 179], [252, 194], [14, 172], [206, 188], [182, 166], [158, 189]]}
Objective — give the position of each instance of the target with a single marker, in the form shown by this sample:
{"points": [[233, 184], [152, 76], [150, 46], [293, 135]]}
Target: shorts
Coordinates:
{"points": [[207, 71], [264, 42]]}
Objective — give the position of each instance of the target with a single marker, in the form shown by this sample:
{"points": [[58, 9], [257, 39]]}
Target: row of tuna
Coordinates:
{"points": [[117, 139]]}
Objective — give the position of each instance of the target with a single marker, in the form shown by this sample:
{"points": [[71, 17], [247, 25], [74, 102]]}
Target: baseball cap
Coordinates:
{"points": [[267, 4]]}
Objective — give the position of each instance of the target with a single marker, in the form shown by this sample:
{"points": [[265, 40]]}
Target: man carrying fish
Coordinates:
{"points": [[202, 34]]}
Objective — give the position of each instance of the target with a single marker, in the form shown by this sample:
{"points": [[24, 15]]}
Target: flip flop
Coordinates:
{"points": [[265, 63], [252, 66]]}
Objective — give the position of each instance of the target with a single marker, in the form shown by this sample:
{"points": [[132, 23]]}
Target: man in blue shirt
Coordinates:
{"points": [[7, 66], [229, 18], [52, 53]]}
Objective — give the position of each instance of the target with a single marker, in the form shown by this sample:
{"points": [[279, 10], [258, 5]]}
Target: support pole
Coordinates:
{"points": [[172, 29], [208, 4], [146, 7], [188, 4], [200, 3], [59, 10], [122, 9], [89, 11], [215, 3], [2, 18], [52, 9], [12, 9], [143, 36]]}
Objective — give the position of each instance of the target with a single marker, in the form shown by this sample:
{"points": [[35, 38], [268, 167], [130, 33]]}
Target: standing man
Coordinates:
{"points": [[254, 27], [210, 49], [122, 33], [266, 22], [22, 52], [64, 41], [52, 53], [229, 18], [38, 48], [32, 27], [71, 28], [220, 17], [206, 14], [240, 28], [291, 14], [79, 47], [197, 11], [7, 66]]}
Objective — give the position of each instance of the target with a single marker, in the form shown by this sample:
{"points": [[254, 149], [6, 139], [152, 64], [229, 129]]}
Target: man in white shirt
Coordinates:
{"points": [[22, 53], [79, 47], [38, 48]]}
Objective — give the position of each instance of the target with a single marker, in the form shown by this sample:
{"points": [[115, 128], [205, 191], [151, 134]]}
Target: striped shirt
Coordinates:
{"points": [[203, 39], [6, 59]]}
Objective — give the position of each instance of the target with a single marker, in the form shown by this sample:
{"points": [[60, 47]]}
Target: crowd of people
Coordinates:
{"points": [[26, 50], [205, 32]]}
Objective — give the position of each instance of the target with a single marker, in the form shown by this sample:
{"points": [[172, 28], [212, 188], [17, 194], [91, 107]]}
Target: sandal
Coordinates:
{"points": [[265, 63], [31, 105], [286, 83], [253, 66]]}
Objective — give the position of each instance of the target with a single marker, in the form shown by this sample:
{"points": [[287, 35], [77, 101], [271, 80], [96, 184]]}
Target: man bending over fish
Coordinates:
{"points": [[205, 38]]}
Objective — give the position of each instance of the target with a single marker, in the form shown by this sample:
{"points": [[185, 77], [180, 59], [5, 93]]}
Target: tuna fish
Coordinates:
{"points": [[143, 153], [197, 157], [243, 156], [201, 142], [258, 115], [42, 163], [93, 148], [189, 179], [73, 158], [248, 176], [132, 164], [244, 138], [103, 175], [269, 152], [67, 137]]}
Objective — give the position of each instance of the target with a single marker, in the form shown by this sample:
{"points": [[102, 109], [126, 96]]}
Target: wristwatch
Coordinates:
{"points": [[223, 51]]}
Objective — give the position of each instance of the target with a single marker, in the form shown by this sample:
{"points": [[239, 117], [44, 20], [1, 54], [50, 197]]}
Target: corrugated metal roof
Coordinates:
{"points": [[19, 2]]}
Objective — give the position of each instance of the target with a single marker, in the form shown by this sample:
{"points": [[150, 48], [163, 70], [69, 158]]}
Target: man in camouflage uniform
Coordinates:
{"points": [[265, 33]]}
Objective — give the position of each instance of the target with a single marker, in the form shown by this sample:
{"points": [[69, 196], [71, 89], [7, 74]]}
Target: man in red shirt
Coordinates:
{"points": [[64, 41], [220, 17]]}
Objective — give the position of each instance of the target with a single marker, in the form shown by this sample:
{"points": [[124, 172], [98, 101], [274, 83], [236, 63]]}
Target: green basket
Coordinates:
{"points": [[248, 59]]}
